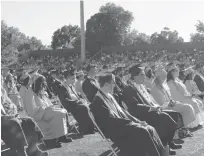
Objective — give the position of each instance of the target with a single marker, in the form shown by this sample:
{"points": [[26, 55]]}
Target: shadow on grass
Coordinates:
{"points": [[106, 153], [74, 136]]}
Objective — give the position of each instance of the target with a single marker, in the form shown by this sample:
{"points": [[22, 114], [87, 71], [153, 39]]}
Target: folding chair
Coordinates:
{"points": [[71, 121], [114, 150]]}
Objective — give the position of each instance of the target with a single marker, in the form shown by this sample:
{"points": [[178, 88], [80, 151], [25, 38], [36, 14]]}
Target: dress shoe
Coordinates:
{"points": [[180, 141], [52, 143], [40, 153], [172, 145], [199, 126], [65, 139], [172, 152], [20, 153]]}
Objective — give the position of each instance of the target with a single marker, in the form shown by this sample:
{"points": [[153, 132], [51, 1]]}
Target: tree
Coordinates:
{"points": [[200, 27], [166, 36], [101, 31], [122, 17], [108, 27], [14, 42], [31, 44], [199, 35], [134, 37], [65, 36], [11, 38]]}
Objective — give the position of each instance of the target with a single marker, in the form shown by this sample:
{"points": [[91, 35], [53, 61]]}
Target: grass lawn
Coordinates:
{"points": [[94, 145]]}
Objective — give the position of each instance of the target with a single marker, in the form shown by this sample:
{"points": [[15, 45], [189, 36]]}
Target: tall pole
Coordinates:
{"points": [[82, 31]]}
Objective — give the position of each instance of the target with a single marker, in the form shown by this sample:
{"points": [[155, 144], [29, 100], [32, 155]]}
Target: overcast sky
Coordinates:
{"points": [[41, 19]]}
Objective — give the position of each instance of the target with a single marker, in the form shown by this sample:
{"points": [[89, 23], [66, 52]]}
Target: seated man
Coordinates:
{"points": [[140, 105], [90, 83], [132, 136], [73, 103]]}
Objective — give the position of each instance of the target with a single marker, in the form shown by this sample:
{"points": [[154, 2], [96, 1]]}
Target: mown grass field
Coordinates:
{"points": [[94, 145]]}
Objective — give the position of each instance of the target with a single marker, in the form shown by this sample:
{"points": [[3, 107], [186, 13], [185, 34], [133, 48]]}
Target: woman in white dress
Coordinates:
{"points": [[179, 93], [12, 91], [161, 93], [192, 87], [51, 119], [149, 78]]}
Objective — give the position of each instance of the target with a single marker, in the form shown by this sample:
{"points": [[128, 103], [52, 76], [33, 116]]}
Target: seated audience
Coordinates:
{"points": [[179, 93], [161, 93], [132, 136], [142, 106]]}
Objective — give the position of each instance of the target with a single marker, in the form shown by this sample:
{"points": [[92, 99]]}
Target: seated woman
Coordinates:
{"points": [[149, 78], [50, 119], [179, 93], [192, 87], [161, 93], [132, 136], [19, 133], [13, 92]]}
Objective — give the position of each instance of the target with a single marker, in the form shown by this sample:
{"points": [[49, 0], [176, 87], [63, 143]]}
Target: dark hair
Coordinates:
{"points": [[11, 71], [181, 75], [117, 71], [170, 75], [25, 81], [68, 73], [89, 67], [149, 73], [105, 79], [8, 79], [136, 72], [39, 83], [105, 67], [189, 76]]}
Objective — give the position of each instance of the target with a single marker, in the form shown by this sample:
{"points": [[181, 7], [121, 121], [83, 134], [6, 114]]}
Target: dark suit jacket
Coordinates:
{"points": [[89, 88], [200, 82], [136, 104]]}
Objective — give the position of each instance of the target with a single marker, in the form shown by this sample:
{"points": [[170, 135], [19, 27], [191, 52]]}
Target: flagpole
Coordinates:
{"points": [[83, 55]]}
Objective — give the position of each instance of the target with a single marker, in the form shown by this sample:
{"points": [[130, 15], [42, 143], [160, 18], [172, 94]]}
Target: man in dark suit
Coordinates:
{"points": [[73, 103], [140, 105], [90, 82]]}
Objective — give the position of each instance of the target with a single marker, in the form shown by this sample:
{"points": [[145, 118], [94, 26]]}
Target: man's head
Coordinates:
{"points": [[80, 75], [5, 71], [70, 76], [137, 74], [91, 70], [107, 82], [53, 73]]}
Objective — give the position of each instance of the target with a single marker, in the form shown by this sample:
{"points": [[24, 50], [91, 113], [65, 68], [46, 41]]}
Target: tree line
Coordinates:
{"points": [[108, 27]]}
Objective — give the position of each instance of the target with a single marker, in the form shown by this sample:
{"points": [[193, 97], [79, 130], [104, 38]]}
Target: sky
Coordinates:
{"points": [[42, 18]]}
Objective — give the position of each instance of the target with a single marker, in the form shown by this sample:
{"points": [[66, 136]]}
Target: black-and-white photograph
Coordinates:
{"points": [[102, 78]]}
